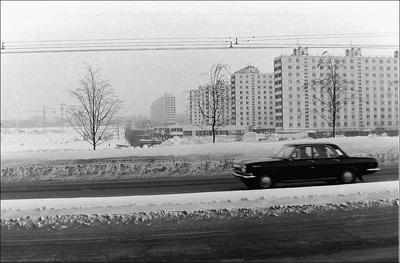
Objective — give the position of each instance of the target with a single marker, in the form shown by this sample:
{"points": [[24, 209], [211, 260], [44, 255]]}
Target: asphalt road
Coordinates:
{"points": [[152, 186], [361, 235]]}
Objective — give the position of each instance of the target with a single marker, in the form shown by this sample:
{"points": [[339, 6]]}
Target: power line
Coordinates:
{"points": [[314, 35], [180, 44], [208, 38], [261, 46], [172, 43], [160, 43], [115, 45]]}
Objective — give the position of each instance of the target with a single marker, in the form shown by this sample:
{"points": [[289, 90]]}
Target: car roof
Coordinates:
{"points": [[310, 144]]}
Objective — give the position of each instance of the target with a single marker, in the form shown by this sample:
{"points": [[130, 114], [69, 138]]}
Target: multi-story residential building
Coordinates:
{"points": [[202, 97], [163, 110], [372, 85], [252, 105], [249, 101]]}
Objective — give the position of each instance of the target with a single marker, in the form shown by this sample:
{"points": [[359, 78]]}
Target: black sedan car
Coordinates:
{"points": [[303, 162]]}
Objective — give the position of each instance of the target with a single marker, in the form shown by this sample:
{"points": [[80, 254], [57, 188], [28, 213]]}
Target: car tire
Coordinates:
{"points": [[265, 182], [347, 176], [250, 183]]}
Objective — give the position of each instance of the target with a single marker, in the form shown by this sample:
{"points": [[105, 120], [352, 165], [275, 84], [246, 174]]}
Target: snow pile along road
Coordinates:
{"points": [[316, 195], [167, 161]]}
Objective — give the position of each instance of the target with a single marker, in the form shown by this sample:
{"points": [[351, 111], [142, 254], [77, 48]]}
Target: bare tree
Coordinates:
{"points": [[96, 109], [332, 90], [212, 103]]}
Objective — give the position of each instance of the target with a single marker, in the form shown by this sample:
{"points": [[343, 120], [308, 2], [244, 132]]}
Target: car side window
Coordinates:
{"points": [[302, 153], [324, 151]]}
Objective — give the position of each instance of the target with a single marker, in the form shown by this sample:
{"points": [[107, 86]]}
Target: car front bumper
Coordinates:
{"points": [[244, 175]]}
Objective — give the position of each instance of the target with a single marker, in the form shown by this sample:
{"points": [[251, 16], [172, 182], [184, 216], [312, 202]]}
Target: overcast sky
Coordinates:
{"points": [[31, 81]]}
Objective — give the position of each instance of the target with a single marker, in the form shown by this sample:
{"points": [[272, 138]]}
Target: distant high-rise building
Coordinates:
{"points": [[203, 97], [252, 96], [163, 110], [372, 87]]}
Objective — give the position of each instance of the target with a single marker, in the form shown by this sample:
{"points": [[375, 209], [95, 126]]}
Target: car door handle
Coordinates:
{"points": [[337, 160], [311, 161]]}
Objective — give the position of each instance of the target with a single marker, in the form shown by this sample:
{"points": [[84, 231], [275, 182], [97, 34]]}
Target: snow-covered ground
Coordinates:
{"points": [[319, 195], [54, 154], [49, 139], [64, 144]]}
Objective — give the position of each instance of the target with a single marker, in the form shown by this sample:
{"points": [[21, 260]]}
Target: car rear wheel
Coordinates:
{"points": [[265, 182], [348, 176]]}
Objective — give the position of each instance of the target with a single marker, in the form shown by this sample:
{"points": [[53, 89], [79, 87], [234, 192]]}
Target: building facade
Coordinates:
{"points": [[372, 86], [203, 98], [253, 99], [163, 110]]}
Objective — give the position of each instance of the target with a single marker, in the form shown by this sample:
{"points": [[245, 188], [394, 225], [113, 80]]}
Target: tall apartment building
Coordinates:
{"points": [[163, 110], [203, 97], [249, 100], [372, 86], [253, 99]]}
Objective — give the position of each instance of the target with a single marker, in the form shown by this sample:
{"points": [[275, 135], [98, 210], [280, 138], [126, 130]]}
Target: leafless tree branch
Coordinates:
{"points": [[332, 90], [96, 110]]}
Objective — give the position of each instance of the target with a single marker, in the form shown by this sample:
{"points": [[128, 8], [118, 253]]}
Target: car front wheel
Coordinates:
{"points": [[347, 176], [250, 183], [265, 182]]}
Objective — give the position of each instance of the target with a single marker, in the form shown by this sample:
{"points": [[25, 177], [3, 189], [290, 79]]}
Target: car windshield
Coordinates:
{"points": [[284, 152]]}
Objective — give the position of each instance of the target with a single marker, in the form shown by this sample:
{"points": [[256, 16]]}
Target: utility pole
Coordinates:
{"points": [[118, 129], [62, 114]]}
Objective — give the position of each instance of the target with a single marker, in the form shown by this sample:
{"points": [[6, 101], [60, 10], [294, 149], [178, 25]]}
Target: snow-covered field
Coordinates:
{"points": [[317, 195], [48, 139], [64, 144]]}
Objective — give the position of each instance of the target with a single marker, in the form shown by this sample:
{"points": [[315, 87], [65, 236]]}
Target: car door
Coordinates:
{"points": [[301, 164], [327, 162]]}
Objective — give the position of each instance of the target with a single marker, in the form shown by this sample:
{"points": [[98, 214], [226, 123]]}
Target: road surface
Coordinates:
{"points": [[151, 186], [361, 235]]}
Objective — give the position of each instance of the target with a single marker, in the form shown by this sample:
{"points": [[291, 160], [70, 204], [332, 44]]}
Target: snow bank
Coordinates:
{"points": [[192, 140], [115, 169], [318, 195], [382, 148], [189, 156]]}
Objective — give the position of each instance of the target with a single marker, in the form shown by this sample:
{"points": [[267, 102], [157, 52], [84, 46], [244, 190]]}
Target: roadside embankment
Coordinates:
{"points": [[130, 168], [272, 202], [126, 168], [166, 161]]}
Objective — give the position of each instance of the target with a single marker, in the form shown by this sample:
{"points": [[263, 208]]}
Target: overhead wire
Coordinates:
{"points": [[197, 38], [125, 43], [186, 48], [212, 38], [143, 44]]}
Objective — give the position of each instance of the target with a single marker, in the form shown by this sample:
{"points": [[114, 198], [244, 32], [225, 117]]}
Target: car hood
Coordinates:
{"points": [[257, 160]]}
